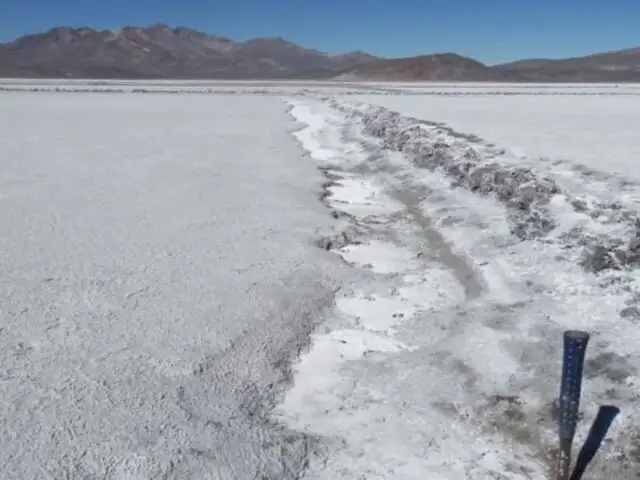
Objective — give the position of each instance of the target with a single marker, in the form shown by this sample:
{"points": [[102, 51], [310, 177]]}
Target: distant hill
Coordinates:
{"points": [[438, 67], [161, 52], [618, 66]]}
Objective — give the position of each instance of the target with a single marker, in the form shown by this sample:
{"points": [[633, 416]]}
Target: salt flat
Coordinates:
{"points": [[157, 272], [160, 268], [444, 361]]}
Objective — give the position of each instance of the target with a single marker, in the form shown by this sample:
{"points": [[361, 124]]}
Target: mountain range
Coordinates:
{"points": [[161, 52]]}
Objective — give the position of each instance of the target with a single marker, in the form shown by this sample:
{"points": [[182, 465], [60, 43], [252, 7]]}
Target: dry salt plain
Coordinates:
{"points": [[286, 280]]}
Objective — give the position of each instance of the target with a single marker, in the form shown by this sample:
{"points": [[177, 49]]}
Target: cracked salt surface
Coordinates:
{"points": [[349, 406], [470, 393], [380, 257], [361, 198], [382, 311]]}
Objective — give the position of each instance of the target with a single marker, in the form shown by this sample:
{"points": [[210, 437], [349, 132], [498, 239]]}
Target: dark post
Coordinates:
{"points": [[575, 347]]}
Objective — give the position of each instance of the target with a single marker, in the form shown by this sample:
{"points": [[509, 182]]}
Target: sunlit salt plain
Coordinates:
{"points": [[160, 269]]}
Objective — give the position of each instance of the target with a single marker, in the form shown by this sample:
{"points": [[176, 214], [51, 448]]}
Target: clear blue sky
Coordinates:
{"points": [[488, 30]]}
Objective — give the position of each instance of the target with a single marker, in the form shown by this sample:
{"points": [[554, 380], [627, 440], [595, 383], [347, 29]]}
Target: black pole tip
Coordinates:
{"points": [[576, 335]]}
